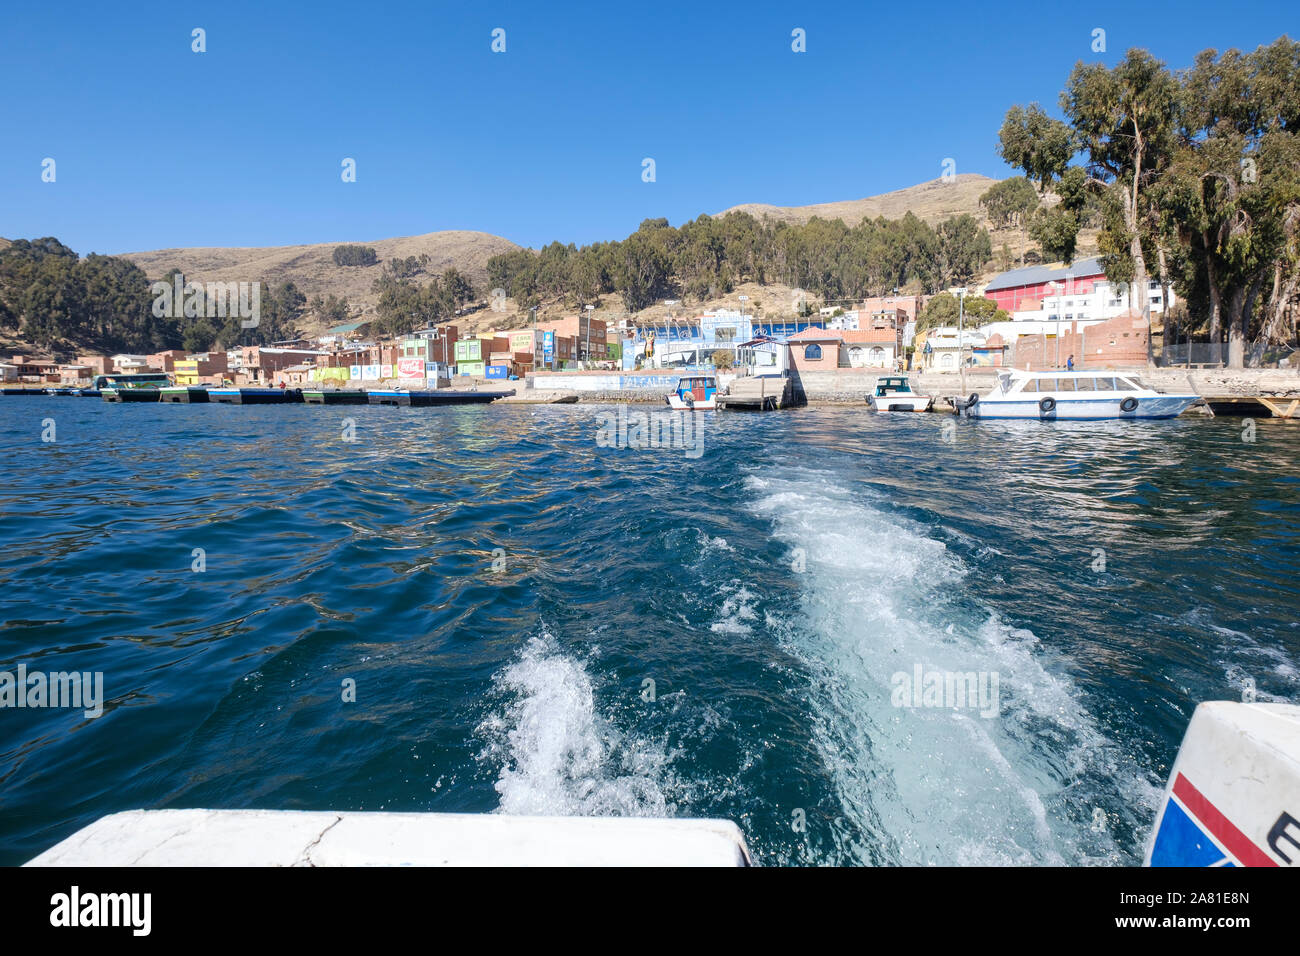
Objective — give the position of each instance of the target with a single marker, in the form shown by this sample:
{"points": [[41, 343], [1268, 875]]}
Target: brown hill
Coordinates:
{"points": [[933, 202], [312, 268]]}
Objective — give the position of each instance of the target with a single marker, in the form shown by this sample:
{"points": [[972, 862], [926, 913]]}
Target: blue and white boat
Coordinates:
{"points": [[694, 393], [1233, 797], [1074, 396]]}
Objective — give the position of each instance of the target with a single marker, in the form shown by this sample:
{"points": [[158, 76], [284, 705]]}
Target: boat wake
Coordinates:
{"points": [[557, 754], [951, 737]]}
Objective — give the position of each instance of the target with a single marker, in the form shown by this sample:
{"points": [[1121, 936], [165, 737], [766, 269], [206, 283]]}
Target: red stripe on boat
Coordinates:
{"points": [[1220, 827]]}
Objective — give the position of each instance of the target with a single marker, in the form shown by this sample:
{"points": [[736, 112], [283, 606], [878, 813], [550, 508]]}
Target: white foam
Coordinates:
{"points": [[933, 785], [558, 755], [737, 614]]}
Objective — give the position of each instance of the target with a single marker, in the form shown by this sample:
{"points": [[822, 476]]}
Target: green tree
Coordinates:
{"points": [[354, 255]]}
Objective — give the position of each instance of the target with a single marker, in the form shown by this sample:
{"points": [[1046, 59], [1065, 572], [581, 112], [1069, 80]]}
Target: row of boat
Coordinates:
{"points": [[1052, 396], [159, 388]]}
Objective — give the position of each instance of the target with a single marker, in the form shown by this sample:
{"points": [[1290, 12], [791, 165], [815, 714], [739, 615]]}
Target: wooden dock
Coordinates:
{"points": [[760, 394], [1247, 406]]}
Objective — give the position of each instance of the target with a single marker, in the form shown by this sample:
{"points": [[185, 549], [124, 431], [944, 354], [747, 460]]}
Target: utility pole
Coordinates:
{"points": [[589, 309], [961, 323]]}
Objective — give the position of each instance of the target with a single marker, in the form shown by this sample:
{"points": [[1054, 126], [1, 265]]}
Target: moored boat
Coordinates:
{"points": [[893, 393], [183, 394], [131, 387], [698, 393], [441, 396], [334, 396], [1074, 396], [227, 395]]}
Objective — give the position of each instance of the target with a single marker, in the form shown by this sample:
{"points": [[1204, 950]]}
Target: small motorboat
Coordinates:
{"points": [[697, 393], [893, 393], [1073, 396]]}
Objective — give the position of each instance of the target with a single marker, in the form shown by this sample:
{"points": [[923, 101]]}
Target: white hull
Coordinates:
{"points": [[700, 405], [901, 403], [1070, 409]]}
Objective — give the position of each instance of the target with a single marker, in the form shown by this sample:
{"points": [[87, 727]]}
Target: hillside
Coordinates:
{"points": [[312, 268], [933, 202]]}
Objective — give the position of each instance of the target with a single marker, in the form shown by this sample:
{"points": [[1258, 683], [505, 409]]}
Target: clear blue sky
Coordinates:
{"points": [[157, 146]]}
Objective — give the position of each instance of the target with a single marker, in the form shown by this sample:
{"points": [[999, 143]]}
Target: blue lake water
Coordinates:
{"points": [[539, 624]]}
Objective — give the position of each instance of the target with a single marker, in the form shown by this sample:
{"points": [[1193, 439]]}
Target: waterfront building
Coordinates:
{"points": [[1079, 292]]}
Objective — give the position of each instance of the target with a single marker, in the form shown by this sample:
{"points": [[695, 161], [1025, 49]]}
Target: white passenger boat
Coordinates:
{"points": [[697, 393], [1074, 396], [893, 393]]}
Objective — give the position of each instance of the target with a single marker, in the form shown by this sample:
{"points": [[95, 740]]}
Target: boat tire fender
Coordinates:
{"points": [[1129, 404], [1047, 405]]}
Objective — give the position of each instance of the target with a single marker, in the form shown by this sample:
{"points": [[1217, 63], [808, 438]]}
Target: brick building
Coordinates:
{"points": [[1120, 342]]}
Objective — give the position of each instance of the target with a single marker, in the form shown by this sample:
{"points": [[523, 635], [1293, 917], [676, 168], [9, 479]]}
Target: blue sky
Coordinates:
{"points": [[157, 146]]}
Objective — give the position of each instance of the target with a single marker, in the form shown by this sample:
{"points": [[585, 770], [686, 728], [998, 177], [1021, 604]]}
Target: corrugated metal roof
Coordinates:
{"points": [[816, 335], [347, 327], [1036, 275]]}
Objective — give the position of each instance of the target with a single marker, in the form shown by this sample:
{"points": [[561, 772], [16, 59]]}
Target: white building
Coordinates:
{"points": [[944, 347]]}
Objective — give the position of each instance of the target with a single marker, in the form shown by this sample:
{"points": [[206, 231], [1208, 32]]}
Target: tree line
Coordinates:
{"points": [[1196, 174], [51, 296], [709, 256]]}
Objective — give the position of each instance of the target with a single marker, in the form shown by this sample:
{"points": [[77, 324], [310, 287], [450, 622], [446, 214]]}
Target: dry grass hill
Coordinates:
{"points": [[933, 202], [312, 267]]}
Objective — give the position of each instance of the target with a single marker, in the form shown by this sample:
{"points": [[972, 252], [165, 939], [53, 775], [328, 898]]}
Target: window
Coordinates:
{"points": [[1105, 384], [1031, 385], [812, 353], [1084, 385], [1063, 385]]}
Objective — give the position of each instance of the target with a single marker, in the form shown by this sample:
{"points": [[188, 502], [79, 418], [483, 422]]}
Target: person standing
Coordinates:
{"points": [[1069, 364]]}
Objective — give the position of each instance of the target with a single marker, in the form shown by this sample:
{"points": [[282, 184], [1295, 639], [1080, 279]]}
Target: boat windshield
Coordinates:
{"points": [[887, 385], [132, 380]]}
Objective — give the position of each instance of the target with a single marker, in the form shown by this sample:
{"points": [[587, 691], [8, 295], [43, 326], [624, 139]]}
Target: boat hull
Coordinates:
{"points": [[255, 396], [699, 405], [431, 397], [1083, 409], [129, 394], [184, 395], [326, 396], [901, 403], [1232, 790]]}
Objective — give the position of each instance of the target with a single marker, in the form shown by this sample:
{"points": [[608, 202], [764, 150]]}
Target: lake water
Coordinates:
{"points": [[537, 623]]}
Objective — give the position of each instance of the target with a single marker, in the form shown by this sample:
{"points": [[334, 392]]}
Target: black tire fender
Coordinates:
{"points": [[1047, 405], [973, 400], [1129, 404]]}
